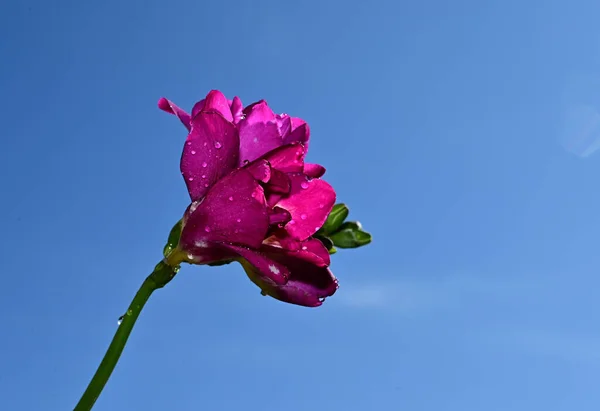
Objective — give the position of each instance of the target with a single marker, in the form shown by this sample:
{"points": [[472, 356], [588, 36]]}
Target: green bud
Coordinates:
{"points": [[336, 217], [350, 235]]}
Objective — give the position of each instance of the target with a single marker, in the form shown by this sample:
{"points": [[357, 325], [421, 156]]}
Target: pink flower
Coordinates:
{"points": [[254, 199]]}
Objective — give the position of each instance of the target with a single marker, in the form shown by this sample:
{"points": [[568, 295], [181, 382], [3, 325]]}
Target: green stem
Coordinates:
{"points": [[162, 274]]}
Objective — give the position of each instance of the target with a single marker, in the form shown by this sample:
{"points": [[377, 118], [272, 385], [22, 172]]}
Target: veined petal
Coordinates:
{"points": [[216, 101]]}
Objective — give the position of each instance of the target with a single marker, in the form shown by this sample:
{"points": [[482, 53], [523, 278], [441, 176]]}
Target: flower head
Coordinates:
{"points": [[253, 198]]}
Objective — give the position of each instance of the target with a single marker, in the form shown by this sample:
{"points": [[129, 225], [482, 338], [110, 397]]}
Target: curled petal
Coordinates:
{"points": [[309, 204], [308, 285], [279, 182], [311, 250], [314, 170], [210, 152], [236, 109], [287, 159], [170, 107], [260, 169], [271, 271], [233, 211], [278, 216]]}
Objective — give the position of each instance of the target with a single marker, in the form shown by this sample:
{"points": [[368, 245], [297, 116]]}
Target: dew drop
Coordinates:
{"points": [[321, 205], [120, 320], [321, 299], [239, 220], [304, 247], [304, 185], [217, 144], [207, 229], [193, 151], [190, 178], [292, 222], [206, 185], [203, 175], [189, 143], [255, 139], [204, 164], [205, 144], [230, 198], [303, 216]]}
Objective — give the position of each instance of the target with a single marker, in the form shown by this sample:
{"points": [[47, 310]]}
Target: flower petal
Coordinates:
{"points": [[311, 250], [307, 285], [259, 133], [236, 109], [288, 158], [260, 169], [216, 101], [298, 132], [314, 170], [279, 182], [233, 211], [209, 153], [309, 203], [170, 107], [272, 272]]}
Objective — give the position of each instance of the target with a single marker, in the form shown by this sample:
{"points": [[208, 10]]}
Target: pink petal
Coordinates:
{"points": [[260, 169], [307, 285], [311, 250], [278, 183], [215, 101], [299, 132], [278, 216], [170, 107], [258, 132], [236, 109], [209, 153], [288, 158], [271, 271], [309, 203], [233, 211], [314, 170]]}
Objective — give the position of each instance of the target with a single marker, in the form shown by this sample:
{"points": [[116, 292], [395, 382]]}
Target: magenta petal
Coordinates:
{"points": [[233, 211], [314, 170], [307, 285], [271, 271], [311, 250], [288, 158], [209, 153], [198, 107], [260, 169], [170, 107], [258, 132], [278, 183], [309, 203], [236, 109], [299, 132], [278, 216], [216, 101]]}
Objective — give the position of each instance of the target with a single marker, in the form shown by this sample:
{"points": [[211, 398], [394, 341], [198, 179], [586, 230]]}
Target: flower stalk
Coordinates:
{"points": [[162, 274]]}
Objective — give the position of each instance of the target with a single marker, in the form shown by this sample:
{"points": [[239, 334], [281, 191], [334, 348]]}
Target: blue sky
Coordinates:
{"points": [[462, 134]]}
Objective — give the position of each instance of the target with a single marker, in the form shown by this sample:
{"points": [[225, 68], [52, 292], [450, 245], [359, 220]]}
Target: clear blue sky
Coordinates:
{"points": [[462, 135]]}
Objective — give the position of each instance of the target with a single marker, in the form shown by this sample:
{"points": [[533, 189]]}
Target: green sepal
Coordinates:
{"points": [[173, 239], [350, 235], [336, 217]]}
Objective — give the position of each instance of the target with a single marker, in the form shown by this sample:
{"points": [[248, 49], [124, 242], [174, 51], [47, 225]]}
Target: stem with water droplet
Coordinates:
{"points": [[162, 274]]}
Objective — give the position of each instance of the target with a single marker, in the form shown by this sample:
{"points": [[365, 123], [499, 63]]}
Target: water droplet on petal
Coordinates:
{"points": [[304, 247], [246, 162], [255, 139], [321, 205], [203, 175], [204, 164], [217, 144], [292, 222], [206, 185], [239, 220], [321, 299], [207, 229], [304, 185], [193, 151], [230, 198], [317, 229], [190, 178], [303, 216], [189, 143]]}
